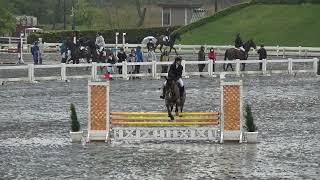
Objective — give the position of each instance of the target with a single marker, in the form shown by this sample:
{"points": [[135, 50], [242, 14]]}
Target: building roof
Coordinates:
{"points": [[180, 5]]}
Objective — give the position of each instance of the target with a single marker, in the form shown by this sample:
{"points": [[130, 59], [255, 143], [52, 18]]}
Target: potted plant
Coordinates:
{"points": [[252, 133], [75, 132]]}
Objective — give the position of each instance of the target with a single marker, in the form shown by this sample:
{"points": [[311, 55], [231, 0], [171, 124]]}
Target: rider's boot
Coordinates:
{"points": [[181, 91], [163, 93]]}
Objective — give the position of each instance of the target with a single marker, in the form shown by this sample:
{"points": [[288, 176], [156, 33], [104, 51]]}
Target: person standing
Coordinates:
{"points": [[151, 57], [19, 51], [132, 58], [122, 56], [201, 57], [212, 57], [35, 52], [139, 58], [262, 55], [63, 51]]}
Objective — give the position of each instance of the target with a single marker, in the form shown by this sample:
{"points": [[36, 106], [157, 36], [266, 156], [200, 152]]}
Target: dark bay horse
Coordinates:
{"points": [[83, 49], [233, 53], [172, 39], [173, 98]]}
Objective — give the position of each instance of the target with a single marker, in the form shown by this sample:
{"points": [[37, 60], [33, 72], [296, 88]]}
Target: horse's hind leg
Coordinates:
{"points": [[243, 66], [177, 110]]}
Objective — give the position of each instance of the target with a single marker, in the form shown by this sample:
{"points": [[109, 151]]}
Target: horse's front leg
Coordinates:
{"points": [[243, 66], [175, 50], [169, 112]]}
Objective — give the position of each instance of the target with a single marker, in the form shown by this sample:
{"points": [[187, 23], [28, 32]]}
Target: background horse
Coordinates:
{"points": [[233, 53], [173, 98], [172, 39]]}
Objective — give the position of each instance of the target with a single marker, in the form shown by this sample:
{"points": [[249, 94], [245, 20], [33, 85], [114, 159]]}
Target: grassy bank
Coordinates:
{"points": [[284, 25]]}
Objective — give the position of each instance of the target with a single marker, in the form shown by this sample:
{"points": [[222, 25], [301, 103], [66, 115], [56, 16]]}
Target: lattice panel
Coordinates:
{"points": [[98, 112], [231, 107], [166, 133]]}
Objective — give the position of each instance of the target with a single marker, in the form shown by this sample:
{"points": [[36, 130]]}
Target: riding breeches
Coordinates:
{"points": [[179, 81]]}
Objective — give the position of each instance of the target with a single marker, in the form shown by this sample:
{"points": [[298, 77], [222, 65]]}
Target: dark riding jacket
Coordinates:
{"points": [[238, 42], [262, 53], [175, 72]]}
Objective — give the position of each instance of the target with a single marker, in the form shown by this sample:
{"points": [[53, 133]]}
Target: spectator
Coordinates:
{"points": [[201, 57], [151, 57], [132, 58], [139, 58], [63, 51], [35, 52], [111, 58], [212, 57], [122, 56], [19, 51], [262, 55]]}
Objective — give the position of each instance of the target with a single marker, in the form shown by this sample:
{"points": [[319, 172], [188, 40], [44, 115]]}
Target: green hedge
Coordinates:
{"points": [[132, 35], [286, 1]]}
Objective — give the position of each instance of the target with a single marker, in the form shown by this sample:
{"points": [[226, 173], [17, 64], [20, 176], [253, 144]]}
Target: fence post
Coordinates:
{"points": [[183, 63], [284, 53], [123, 38], [317, 61], [31, 72], [210, 70], [264, 66], [125, 70], [94, 71], [63, 72], [154, 69], [290, 66], [116, 51], [299, 51], [238, 67], [278, 50], [179, 47]]}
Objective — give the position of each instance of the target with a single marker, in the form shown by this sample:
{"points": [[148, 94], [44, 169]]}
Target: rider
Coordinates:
{"points": [[175, 73], [99, 43], [167, 35], [150, 45], [238, 42]]}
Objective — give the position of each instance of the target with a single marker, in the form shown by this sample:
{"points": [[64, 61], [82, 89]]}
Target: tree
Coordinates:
{"points": [[82, 12], [141, 13], [7, 22]]}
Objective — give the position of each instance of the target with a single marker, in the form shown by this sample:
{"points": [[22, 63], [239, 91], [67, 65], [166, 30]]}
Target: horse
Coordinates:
{"points": [[83, 49], [172, 39], [173, 98], [233, 53]]}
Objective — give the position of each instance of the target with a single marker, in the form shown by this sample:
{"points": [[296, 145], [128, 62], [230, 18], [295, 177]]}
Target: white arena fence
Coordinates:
{"points": [[64, 69], [187, 49]]}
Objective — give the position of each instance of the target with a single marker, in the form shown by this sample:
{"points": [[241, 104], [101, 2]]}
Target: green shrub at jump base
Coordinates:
{"points": [[75, 125]]}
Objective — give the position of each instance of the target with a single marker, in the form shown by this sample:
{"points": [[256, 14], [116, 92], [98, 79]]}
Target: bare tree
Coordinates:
{"points": [[141, 13]]}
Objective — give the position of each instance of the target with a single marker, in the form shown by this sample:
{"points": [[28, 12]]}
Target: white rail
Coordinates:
{"points": [[154, 65], [190, 49]]}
